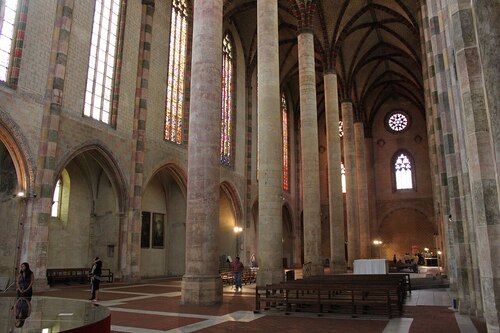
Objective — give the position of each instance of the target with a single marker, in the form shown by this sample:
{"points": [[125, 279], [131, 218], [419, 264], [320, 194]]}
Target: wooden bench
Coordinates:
{"points": [[247, 276], [78, 274], [335, 294], [106, 273], [403, 279], [67, 275]]}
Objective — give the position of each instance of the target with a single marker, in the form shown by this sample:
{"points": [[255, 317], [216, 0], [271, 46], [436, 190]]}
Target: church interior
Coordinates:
{"points": [[169, 137]]}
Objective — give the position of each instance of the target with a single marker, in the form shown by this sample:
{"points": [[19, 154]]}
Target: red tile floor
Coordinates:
{"points": [[153, 307]]}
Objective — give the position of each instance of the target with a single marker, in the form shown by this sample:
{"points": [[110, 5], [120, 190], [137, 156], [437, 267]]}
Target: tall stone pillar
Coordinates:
{"points": [[310, 153], [351, 182], [335, 197], [363, 209], [130, 235], [436, 149], [479, 125], [201, 283], [270, 149], [35, 228], [372, 191]]}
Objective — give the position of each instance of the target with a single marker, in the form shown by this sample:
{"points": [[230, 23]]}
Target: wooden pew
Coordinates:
{"points": [[353, 294], [67, 275], [78, 274]]}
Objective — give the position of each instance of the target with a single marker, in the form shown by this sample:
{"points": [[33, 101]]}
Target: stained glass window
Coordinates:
{"points": [[227, 101], [342, 177], [8, 10], [402, 170], [284, 120], [341, 128], [176, 71], [397, 121], [103, 48]]}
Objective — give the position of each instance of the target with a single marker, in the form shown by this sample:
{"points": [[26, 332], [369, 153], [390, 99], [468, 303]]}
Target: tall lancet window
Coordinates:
{"points": [[101, 70], [286, 153], [226, 139], [403, 172], [174, 101], [342, 177], [8, 11]]}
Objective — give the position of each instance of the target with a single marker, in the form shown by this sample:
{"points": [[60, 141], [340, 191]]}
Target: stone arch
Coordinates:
{"points": [[288, 236], [402, 228], [105, 158], [16, 144], [96, 215], [164, 198], [17, 174], [231, 192], [230, 241]]}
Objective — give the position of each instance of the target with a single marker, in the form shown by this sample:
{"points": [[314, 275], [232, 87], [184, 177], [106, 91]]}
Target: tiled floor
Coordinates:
{"points": [[153, 307]]}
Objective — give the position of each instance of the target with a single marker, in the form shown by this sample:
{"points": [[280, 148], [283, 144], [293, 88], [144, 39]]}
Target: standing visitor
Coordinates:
{"points": [[24, 282], [237, 269], [95, 278]]}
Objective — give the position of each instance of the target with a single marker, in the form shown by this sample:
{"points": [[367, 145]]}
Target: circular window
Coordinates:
{"points": [[397, 121]]}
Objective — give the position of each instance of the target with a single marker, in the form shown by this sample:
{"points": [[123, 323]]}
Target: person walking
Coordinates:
{"points": [[237, 270], [95, 278]]}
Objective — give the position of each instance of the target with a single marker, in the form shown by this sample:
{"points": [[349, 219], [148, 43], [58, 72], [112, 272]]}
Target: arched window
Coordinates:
{"points": [[56, 199], [13, 14], [342, 176], [286, 152], [60, 198], [103, 51], [226, 139], [403, 174], [176, 70]]}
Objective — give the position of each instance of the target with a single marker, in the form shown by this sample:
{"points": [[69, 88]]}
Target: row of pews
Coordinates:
{"points": [[352, 294], [247, 276]]}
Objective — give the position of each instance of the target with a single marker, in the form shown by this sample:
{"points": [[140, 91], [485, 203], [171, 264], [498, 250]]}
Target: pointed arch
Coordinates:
{"points": [[107, 161], [16, 144]]}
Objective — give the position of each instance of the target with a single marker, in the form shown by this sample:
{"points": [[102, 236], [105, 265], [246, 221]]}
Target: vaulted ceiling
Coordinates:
{"points": [[373, 46]]}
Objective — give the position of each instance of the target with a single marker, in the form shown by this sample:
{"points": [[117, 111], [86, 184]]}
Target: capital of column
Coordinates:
{"points": [[329, 71], [346, 100], [150, 3], [305, 30]]}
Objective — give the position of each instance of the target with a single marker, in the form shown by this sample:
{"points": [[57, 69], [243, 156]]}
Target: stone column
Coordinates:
{"points": [[351, 183], [336, 200], [363, 212], [479, 125], [370, 184], [310, 153], [130, 235], [201, 283], [35, 229], [436, 156], [270, 166]]}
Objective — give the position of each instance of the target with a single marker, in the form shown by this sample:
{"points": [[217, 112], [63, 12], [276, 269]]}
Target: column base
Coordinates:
{"points": [[317, 269], [338, 267], [201, 290], [269, 276]]}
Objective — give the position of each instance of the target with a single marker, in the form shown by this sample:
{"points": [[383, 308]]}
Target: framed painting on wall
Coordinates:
{"points": [[146, 230], [158, 230]]}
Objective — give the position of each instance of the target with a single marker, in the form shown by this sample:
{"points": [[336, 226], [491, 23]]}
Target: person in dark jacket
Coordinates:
{"points": [[95, 278], [24, 281]]}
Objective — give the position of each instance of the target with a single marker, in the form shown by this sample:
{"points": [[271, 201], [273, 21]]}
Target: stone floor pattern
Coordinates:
{"points": [[153, 307]]}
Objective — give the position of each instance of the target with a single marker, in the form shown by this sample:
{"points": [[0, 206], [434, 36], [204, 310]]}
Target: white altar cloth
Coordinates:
{"points": [[371, 266]]}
